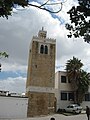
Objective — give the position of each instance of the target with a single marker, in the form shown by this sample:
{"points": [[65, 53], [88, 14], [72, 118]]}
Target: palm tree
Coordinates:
{"points": [[83, 85], [73, 68]]}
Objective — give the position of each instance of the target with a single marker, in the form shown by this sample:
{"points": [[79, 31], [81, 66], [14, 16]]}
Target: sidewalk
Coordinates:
{"points": [[81, 116], [56, 116]]}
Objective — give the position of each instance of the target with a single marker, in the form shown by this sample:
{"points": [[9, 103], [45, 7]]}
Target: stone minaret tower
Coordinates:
{"points": [[41, 75]]}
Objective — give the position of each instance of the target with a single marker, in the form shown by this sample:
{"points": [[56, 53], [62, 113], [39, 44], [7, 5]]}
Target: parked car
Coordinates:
{"points": [[74, 108]]}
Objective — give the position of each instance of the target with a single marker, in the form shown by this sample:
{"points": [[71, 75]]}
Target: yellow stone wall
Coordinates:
{"points": [[40, 104], [41, 73]]}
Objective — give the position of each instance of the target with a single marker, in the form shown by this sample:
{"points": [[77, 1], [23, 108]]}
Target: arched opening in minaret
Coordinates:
{"points": [[42, 49], [46, 49]]}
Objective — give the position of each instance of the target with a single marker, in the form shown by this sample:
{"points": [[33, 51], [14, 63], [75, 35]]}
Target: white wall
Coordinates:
{"points": [[61, 103], [85, 103], [61, 87], [13, 107], [65, 87]]}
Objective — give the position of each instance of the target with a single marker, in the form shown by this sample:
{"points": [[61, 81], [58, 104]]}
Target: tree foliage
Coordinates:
{"points": [[83, 85], [73, 67], [3, 54], [6, 6], [78, 77], [80, 21]]}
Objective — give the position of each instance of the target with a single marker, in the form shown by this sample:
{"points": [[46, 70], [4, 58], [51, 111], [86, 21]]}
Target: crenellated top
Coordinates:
{"points": [[42, 37], [49, 40]]}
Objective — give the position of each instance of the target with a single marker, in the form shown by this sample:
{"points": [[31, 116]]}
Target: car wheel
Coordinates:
{"points": [[79, 112], [64, 110], [74, 112]]}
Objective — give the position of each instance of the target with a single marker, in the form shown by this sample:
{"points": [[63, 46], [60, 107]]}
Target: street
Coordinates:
{"points": [[62, 117], [56, 116]]}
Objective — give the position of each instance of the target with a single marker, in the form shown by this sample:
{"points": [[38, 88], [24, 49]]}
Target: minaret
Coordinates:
{"points": [[41, 75]]}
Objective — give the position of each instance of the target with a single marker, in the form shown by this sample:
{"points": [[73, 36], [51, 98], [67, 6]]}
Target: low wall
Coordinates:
{"points": [[13, 107]]}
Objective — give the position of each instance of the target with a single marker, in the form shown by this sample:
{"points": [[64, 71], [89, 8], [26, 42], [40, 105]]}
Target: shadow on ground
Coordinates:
{"points": [[69, 114]]}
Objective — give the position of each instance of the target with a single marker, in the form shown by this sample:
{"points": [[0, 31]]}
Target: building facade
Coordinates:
{"points": [[64, 92], [41, 75]]}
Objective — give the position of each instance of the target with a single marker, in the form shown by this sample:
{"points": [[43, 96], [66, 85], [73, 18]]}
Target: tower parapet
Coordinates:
{"points": [[42, 36]]}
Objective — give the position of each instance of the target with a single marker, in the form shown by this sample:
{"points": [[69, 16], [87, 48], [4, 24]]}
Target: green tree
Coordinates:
{"points": [[73, 69], [83, 85], [5, 55], [80, 21], [6, 6]]}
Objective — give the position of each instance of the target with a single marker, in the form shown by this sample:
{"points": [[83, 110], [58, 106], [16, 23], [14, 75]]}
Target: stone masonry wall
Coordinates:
{"points": [[41, 73], [40, 104]]}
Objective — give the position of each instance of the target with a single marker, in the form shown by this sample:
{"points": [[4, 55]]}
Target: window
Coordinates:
{"points": [[87, 97], [63, 96], [67, 96], [46, 49], [63, 79], [71, 96], [42, 49]]}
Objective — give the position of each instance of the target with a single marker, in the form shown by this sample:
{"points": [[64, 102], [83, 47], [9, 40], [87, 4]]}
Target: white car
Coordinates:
{"points": [[74, 108]]}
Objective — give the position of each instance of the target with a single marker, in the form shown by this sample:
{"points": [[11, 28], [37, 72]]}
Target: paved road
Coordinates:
{"points": [[56, 116], [62, 117]]}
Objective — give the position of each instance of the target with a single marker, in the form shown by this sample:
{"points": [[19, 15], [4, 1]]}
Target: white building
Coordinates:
{"points": [[64, 92], [4, 93]]}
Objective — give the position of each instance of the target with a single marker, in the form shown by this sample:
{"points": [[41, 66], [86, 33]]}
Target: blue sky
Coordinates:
{"points": [[6, 74], [16, 34]]}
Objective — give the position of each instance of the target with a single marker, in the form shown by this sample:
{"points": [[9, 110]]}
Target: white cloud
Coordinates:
{"points": [[17, 32], [13, 84], [14, 67]]}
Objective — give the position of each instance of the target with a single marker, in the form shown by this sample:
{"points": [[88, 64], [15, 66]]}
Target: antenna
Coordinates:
{"points": [[42, 28]]}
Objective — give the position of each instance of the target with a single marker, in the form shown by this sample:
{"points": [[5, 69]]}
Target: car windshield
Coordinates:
{"points": [[76, 105], [73, 105], [69, 106]]}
